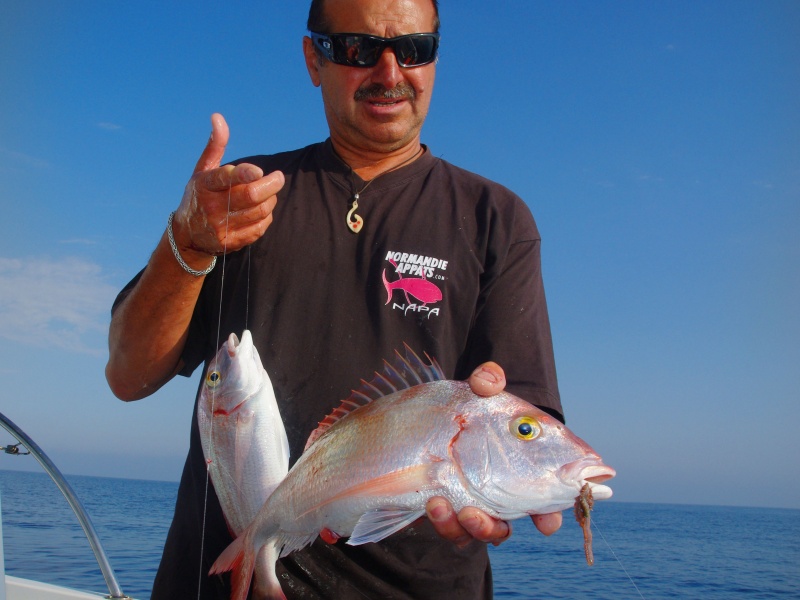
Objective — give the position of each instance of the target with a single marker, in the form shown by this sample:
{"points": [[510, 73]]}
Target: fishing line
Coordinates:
{"points": [[247, 295], [614, 554], [214, 393]]}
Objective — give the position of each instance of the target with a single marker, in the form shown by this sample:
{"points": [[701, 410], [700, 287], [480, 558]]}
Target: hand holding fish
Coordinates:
{"points": [[223, 208], [472, 523]]}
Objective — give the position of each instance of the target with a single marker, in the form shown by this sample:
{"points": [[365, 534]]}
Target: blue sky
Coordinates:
{"points": [[657, 144]]}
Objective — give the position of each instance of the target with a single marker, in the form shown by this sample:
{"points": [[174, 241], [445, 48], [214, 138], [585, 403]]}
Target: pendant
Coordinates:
{"points": [[354, 222]]}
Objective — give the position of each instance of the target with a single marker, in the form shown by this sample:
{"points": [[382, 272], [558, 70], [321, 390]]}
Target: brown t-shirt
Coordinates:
{"points": [[448, 263]]}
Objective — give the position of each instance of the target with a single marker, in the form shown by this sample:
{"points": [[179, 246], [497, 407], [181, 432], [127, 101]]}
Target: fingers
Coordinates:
{"points": [[483, 527], [224, 208], [445, 522], [215, 148], [217, 222], [221, 179], [488, 379], [245, 226], [547, 524], [467, 525]]}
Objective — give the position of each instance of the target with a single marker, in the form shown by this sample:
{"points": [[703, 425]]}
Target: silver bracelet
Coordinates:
{"points": [[178, 256]]}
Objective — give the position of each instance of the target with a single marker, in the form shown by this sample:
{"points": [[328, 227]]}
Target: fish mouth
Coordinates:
{"points": [[591, 470], [234, 343]]}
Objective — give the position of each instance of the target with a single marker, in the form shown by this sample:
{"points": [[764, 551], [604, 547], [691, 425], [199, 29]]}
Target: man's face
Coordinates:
{"points": [[360, 117]]}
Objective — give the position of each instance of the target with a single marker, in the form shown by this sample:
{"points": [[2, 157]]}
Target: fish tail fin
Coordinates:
{"points": [[388, 287], [239, 558]]}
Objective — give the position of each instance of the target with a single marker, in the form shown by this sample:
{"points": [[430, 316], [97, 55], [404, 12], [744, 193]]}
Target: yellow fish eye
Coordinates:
{"points": [[525, 428], [213, 379]]}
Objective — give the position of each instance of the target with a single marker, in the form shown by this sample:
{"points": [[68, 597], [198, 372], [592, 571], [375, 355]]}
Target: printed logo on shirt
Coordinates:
{"points": [[414, 273]]}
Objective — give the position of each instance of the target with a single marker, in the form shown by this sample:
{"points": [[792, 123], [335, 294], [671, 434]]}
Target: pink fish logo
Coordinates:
{"points": [[418, 287]]}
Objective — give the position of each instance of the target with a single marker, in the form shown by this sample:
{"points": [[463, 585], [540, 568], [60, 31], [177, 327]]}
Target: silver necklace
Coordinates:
{"points": [[355, 222]]}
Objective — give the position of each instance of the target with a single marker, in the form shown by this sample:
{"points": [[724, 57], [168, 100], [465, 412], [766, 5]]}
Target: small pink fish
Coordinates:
{"points": [[403, 438]]}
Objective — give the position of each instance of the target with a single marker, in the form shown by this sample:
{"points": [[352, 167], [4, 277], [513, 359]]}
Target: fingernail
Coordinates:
{"points": [[249, 176], [507, 535], [439, 513], [485, 375]]}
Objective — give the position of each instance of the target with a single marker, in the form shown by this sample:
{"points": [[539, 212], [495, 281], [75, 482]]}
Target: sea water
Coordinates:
{"points": [[641, 550]]}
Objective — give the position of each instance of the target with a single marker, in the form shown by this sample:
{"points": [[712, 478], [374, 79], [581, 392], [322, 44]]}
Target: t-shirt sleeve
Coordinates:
{"points": [[511, 325], [124, 292]]}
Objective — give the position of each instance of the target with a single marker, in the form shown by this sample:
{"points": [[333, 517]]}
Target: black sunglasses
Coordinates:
{"points": [[361, 50]]}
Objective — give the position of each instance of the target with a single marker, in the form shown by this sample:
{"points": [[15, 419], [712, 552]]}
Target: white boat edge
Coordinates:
{"points": [[17, 588], [27, 589]]}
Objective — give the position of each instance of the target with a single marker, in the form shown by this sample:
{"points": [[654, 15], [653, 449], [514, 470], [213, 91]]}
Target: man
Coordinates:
{"points": [[372, 242]]}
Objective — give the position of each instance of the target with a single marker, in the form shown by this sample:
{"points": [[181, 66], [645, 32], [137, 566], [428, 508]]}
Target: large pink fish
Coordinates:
{"points": [[408, 436], [418, 287], [244, 441]]}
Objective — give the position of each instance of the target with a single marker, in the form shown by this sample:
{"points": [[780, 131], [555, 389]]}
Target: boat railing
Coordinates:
{"points": [[83, 518]]}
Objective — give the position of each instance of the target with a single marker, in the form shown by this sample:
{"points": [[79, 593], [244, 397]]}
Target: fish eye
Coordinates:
{"points": [[525, 428], [213, 379]]}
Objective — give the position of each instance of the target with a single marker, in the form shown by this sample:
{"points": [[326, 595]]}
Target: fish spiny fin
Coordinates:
{"points": [[413, 364], [381, 523], [406, 372]]}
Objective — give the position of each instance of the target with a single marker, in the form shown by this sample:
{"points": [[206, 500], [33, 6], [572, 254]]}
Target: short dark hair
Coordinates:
{"points": [[319, 24]]}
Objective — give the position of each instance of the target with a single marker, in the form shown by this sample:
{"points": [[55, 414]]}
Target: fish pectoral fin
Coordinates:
{"points": [[381, 523], [416, 478], [377, 524]]}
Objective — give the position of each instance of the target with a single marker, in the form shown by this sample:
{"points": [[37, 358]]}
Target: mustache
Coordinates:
{"points": [[379, 92]]}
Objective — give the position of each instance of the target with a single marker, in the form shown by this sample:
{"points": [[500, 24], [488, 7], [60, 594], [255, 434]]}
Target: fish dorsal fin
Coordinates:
{"points": [[405, 372]]}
